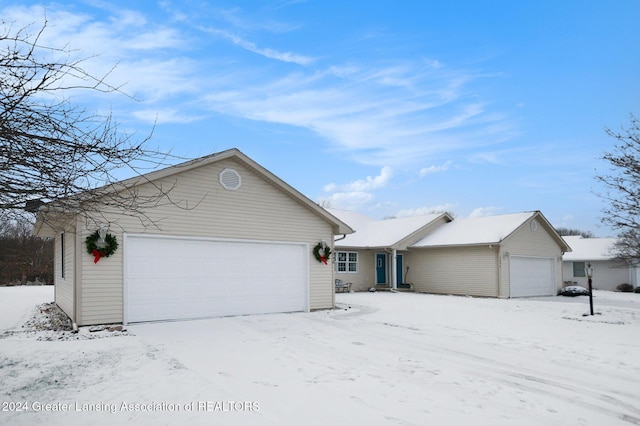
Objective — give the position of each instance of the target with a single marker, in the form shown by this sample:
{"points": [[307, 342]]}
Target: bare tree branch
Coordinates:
{"points": [[623, 189], [57, 152]]}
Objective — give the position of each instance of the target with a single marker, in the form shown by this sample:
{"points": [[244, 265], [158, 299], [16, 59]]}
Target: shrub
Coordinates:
{"points": [[573, 290], [637, 290], [627, 288]]}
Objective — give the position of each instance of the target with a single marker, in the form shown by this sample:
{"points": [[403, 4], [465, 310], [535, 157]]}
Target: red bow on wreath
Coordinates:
{"points": [[99, 247], [322, 252], [97, 254]]}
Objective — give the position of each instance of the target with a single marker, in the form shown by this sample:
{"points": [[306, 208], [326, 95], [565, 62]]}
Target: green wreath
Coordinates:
{"points": [[111, 244], [322, 252]]}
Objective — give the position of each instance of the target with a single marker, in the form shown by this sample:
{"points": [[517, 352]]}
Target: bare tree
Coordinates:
{"points": [[24, 257], [565, 232], [57, 152], [623, 189]]}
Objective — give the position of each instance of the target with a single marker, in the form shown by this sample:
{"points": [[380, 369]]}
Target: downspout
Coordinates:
{"points": [[341, 238], [77, 273], [499, 274]]}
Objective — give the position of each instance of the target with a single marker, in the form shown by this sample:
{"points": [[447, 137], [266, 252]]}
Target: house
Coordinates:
{"points": [[513, 255], [245, 245], [377, 254], [608, 272]]}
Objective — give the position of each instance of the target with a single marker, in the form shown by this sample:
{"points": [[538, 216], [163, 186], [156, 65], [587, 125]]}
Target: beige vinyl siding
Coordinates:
{"points": [[607, 275], [258, 210], [409, 258], [364, 279], [471, 271], [101, 292], [525, 242], [63, 286]]}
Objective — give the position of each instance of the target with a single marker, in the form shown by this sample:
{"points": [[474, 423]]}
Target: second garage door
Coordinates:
{"points": [[532, 276], [168, 278]]}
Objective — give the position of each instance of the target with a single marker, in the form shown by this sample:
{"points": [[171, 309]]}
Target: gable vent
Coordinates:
{"points": [[230, 179]]}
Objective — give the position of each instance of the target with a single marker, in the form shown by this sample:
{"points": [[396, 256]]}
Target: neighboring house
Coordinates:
{"points": [[377, 254], [246, 247], [514, 255], [511, 255], [608, 272]]}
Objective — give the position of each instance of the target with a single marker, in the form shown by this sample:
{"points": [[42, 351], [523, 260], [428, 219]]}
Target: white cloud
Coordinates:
{"points": [[421, 211], [485, 211], [266, 52], [125, 49], [434, 169], [346, 200], [367, 184], [397, 114], [485, 157], [166, 115], [434, 63], [355, 194]]}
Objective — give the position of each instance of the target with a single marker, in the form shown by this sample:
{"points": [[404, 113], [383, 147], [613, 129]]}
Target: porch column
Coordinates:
{"points": [[394, 267]]}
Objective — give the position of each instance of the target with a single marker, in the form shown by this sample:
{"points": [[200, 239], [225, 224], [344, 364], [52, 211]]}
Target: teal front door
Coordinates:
{"points": [[399, 269], [381, 268]]}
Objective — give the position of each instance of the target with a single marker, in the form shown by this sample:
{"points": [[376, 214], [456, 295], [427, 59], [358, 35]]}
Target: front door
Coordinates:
{"points": [[399, 269], [381, 268]]}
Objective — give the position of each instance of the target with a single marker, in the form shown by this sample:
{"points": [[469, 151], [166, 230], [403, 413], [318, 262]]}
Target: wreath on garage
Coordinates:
{"points": [[322, 252], [101, 250]]}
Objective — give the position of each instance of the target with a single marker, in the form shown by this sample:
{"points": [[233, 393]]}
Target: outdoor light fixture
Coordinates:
{"points": [[589, 280], [102, 232]]}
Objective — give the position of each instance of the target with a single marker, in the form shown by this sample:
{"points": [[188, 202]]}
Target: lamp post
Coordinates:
{"points": [[589, 276]]}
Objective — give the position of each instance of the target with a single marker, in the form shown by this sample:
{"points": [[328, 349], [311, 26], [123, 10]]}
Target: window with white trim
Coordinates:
{"points": [[347, 262], [579, 270]]}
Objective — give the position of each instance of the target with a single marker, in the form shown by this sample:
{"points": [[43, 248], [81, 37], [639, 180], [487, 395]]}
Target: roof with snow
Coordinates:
{"points": [[476, 230], [589, 248], [373, 233]]}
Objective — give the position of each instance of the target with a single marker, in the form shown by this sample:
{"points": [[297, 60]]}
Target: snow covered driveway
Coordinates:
{"points": [[383, 358]]}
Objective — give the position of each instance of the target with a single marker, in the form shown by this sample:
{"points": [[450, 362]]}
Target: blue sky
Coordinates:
{"points": [[390, 108]]}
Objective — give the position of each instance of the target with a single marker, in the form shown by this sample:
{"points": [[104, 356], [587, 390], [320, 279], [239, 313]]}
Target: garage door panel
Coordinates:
{"points": [[532, 276], [175, 278]]}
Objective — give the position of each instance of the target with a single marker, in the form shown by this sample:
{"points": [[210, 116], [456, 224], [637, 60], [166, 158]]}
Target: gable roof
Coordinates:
{"points": [[339, 226], [485, 230], [388, 233], [584, 249]]}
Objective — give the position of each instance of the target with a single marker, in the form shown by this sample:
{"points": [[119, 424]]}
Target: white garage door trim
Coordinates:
{"points": [[212, 277], [532, 276]]}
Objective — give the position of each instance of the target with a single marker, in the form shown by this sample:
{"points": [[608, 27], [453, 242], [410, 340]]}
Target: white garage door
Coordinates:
{"points": [[182, 278], [532, 276]]}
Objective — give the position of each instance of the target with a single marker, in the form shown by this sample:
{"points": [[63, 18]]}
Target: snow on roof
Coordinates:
{"points": [[589, 248], [477, 230], [379, 233]]}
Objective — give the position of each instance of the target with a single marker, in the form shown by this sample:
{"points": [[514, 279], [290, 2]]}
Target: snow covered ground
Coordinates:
{"points": [[381, 359]]}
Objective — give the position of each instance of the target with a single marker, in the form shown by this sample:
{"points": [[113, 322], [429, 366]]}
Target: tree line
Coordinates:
{"points": [[24, 258]]}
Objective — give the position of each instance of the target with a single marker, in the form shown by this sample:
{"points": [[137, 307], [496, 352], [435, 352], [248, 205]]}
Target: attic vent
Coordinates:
{"points": [[230, 179]]}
